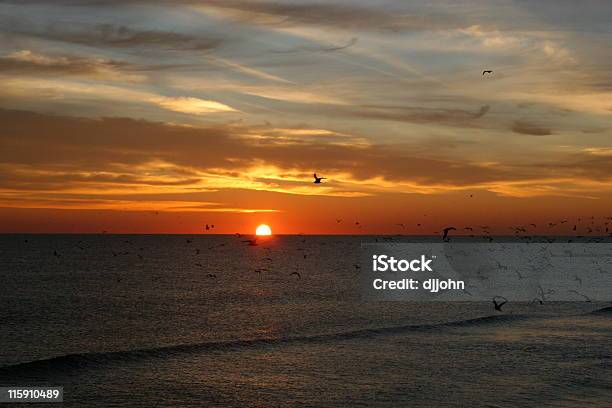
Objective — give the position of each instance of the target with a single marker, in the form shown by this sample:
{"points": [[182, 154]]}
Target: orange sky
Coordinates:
{"points": [[160, 117]]}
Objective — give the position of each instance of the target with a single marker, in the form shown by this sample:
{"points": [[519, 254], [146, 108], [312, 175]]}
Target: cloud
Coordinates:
{"points": [[221, 149], [191, 105], [26, 62], [55, 90], [246, 70], [528, 128], [277, 13], [599, 151], [112, 36], [410, 114], [51, 161]]}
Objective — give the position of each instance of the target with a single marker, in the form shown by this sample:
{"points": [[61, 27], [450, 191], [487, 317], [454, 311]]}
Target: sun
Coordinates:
{"points": [[263, 229]]}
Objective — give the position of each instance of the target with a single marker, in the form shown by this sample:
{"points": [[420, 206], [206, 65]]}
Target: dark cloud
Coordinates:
{"points": [[344, 16], [350, 43], [113, 36], [410, 114], [42, 153], [527, 128], [26, 63], [579, 165], [57, 143]]}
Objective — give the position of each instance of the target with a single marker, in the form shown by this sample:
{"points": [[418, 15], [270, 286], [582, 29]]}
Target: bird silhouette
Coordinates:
{"points": [[446, 231], [317, 180], [487, 71], [498, 306], [296, 274]]}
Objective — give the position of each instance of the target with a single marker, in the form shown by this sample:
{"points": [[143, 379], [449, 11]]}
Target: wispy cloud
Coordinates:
{"points": [[527, 128], [191, 105]]}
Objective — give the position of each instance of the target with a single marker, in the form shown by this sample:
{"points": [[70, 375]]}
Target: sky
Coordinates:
{"points": [[162, 116]]}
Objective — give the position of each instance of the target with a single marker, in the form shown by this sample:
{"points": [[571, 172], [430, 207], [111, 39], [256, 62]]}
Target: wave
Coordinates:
{"points": [[604, 311], [85, 360]]}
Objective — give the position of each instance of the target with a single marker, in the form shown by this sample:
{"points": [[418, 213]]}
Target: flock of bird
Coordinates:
{"points": [[498, 302], [520, 231]]}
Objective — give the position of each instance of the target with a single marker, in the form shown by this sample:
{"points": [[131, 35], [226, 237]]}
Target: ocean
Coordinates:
{"points": [[210, 321]]}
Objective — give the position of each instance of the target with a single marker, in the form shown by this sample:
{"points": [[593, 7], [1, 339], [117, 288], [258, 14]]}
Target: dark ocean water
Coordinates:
{"points": [[146, 321]]}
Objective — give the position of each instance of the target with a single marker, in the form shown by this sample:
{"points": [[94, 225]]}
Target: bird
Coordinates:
{"points": [[487, 71], [317, 180], [296, 274], [446, 230], [498, 306], [207, 227]]}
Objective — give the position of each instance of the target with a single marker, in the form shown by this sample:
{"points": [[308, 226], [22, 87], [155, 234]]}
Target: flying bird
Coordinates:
{"points": [[446, 230], [498, 306], [317, 180], [296, 274], [487, 71]]}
